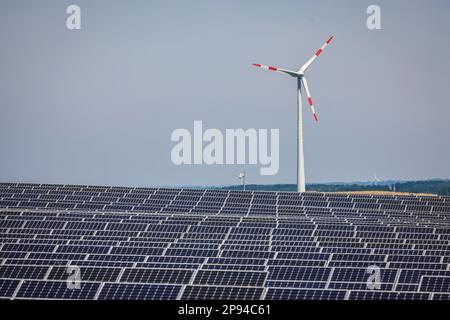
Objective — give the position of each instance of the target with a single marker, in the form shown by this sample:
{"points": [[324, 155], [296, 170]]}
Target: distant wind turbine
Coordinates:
{"points": [[242, 177], [375, 179]]}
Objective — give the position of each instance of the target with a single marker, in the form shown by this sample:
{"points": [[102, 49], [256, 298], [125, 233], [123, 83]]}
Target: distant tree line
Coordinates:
{"points": [[440, 187]]}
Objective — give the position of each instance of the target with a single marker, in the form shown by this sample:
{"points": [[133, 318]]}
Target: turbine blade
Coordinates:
{"points": [[276, 69], [308, 94], [314, 57]]}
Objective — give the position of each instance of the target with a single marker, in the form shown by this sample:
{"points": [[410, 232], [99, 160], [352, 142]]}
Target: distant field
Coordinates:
{"points": [[391, 193]]}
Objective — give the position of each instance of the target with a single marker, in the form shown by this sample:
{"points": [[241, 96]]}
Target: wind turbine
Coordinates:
{"points": [[375, 179], [242, 177], [301, 80]]}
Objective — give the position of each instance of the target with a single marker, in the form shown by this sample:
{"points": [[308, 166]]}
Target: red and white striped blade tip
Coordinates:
{"points": [[312, 106], [265, 67], [323, 47]]}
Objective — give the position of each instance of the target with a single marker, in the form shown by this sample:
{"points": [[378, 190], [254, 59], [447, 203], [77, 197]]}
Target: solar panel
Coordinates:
{"points": [[56, 290], [7, 288], [147, 243], [230, 278], [131, 291], [375, 295], [294, 294], [298, 273], [90, 274], [175, 276], [435, 284], [221, 293]]}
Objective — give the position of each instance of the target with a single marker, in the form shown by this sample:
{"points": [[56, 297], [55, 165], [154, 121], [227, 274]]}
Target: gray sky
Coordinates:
{"points": [[98, 105]]}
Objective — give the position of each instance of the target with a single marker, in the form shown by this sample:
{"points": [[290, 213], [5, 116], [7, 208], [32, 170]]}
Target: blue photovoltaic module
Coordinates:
{"points": [[155, 243]]}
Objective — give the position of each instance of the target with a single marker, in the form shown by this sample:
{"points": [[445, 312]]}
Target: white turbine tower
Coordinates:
{"points": [[300, 80], [375, 179]]}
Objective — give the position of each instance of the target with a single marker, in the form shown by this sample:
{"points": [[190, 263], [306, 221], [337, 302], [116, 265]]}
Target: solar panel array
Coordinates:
{"points": [[151, 243]]}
